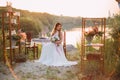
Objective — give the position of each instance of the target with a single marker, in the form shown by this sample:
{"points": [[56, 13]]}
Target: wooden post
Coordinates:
{"points": [[3, 38], [37, 52], [9, 16], [10, 25], [34, 51], [82, 45], [64, 43], [18, 23]]}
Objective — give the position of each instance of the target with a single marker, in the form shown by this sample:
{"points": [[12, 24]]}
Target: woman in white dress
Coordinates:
{"points": [[52, 53]]}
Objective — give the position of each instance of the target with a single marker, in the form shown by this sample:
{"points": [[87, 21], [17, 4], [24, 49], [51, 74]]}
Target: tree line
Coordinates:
{"points": [[37, 22]]}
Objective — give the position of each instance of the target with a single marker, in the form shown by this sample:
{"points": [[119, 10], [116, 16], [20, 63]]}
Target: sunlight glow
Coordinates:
{"points": [[83, 8]]}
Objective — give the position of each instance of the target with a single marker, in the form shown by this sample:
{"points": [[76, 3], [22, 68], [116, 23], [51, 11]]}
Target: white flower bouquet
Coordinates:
{"points": [[54, 39]]}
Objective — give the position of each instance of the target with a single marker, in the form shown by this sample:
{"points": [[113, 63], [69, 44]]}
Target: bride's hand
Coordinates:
{"points": [[58, 42]]}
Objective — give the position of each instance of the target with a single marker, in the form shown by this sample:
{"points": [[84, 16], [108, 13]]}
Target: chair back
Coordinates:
{"points": [[28, 39], [29, 36]]}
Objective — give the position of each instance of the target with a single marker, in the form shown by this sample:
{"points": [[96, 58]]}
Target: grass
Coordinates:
{"points": [[109, 60]]}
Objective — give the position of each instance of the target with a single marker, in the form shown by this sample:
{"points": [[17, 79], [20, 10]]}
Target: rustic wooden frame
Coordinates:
{"points": [[9, 23], [99, 58]]}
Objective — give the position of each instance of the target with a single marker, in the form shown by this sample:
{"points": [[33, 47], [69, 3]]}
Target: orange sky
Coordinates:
{"points": [[83, 8]]}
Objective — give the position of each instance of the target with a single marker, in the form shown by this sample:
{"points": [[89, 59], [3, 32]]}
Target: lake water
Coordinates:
{"points": [[73, 37]]}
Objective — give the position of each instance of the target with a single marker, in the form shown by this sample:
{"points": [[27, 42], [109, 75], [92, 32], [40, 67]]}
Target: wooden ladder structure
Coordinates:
{"points": [[86, 53]]}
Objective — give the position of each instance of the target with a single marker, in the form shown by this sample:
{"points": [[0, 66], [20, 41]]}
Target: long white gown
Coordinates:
{"points": [[53, 55]]}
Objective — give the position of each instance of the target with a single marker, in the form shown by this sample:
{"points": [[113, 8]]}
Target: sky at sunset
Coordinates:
{"points": [[74, 8]]}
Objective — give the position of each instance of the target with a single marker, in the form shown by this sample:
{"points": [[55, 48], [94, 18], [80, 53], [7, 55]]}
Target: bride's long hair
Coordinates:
{"points": [[54, 30]]}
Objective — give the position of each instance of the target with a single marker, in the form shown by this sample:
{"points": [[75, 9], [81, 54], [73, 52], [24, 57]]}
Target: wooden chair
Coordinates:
{"points": [[29, 47]]}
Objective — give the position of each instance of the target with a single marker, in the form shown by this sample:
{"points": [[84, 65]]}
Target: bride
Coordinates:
{"points": [[52, 53]]}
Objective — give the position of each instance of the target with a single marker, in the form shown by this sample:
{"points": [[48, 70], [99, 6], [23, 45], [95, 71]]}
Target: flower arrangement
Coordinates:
{"points": [[93, 32], [14, 37], [54, 39]]}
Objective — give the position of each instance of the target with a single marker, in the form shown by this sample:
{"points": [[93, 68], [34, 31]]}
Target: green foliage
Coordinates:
{"points": [[69, 22], [30, 26], [114, 23], [14, 37], [115, 33], [110, 56], [118, 68]]}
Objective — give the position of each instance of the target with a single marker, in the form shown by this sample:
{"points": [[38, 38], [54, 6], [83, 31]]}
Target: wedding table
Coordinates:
{"points": [[40, 41]]}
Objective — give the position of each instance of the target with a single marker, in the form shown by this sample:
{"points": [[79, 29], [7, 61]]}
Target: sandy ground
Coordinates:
{"points": [[30, 70], [33, 71]]}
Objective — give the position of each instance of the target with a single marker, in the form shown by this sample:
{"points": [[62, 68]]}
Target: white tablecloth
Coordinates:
{"points": [[39, 41]]}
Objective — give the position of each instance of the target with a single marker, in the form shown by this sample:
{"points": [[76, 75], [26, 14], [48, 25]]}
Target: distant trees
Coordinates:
{"points": [[36, 21], [29, 25]]}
